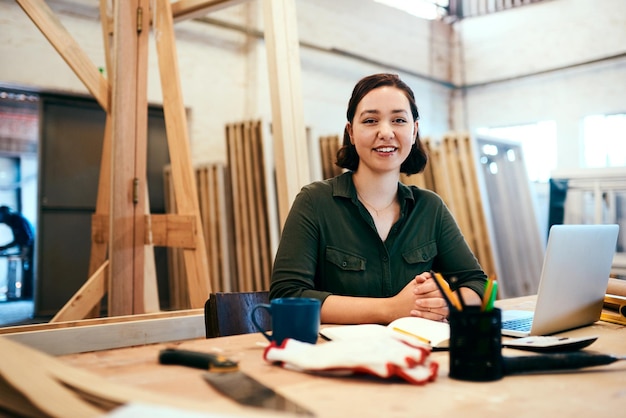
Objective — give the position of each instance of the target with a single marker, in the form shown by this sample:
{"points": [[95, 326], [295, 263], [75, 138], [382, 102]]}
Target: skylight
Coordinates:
{"points": [[421, 8]]}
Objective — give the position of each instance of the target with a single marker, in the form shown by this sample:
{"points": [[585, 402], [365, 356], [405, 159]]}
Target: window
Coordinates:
{"points": [[427, 9], [538, 142], [604, 141]]}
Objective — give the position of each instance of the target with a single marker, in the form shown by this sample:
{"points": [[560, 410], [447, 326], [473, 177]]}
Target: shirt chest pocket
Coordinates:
{"points": [[344, 261], [422, 254]]}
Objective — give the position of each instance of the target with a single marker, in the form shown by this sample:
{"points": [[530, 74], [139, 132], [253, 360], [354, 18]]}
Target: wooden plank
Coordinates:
{"points": [[468, 194], [179, 296], [234, 174], [456, 181], [180, 156], [124, 154], [100, 220], [171, 230], [217, 232], [269, 175], [150, 285], [189, 9], [39, 385], [429, 182], [328, 150], [27, 373], [324, 156], [137, 330], [477, 210], [52, 28], [207, 204], [106, 23], [224, 225], [244, 245], [289, 133], [97, 321], [261, 198], [143, 257], [441, 181], [252, 207], [89, 295]]}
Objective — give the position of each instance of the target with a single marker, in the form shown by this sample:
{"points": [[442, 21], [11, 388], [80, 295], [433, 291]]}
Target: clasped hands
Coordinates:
{"points": [[429, 303]]}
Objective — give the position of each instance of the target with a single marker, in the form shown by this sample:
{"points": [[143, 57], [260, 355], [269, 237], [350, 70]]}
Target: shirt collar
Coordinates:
{"points": [[343, 186]]}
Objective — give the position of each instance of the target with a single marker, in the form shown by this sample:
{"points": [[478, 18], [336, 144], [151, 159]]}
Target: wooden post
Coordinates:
{"points": [[283, 59], [183, 176], [129, 111]]}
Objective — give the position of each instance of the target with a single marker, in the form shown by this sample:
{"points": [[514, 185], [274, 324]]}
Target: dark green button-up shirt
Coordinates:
{"points": [[330, 245]]}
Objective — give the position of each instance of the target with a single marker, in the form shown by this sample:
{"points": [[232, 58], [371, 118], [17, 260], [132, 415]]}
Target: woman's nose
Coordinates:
{"points": [[385, 130]]}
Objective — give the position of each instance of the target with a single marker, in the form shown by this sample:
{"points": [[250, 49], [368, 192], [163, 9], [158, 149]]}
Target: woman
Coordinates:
{"points": [[364, 243]]}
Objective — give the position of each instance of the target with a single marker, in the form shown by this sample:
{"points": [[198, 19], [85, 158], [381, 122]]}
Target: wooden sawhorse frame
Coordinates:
{"points": [[123, 230]]}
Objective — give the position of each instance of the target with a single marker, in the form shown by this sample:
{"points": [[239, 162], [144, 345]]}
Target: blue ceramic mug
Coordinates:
{"points": [[296, 318]]}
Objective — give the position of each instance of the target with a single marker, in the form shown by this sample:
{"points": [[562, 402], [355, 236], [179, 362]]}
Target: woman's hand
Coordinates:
{"points": [[429, 302]]}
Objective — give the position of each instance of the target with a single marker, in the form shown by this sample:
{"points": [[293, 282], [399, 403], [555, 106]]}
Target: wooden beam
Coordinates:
{"points": [[289, 132], [106, 22], [129, 103], [100, 219], [183, 176], [189, 9], [172, 231], [88, 296], [52, 28], [140, 197], [106, 333], [150, 292]]}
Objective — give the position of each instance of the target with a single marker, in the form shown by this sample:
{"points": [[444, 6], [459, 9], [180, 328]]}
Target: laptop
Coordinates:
{"points": [[574, 278]]}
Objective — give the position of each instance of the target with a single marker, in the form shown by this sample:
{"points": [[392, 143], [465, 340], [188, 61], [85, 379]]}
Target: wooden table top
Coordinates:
{"points": [[585, 392]]}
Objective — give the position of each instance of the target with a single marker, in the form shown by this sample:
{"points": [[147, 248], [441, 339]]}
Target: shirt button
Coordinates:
{"points": [[344, 264], [424, 257], [385, 259]]}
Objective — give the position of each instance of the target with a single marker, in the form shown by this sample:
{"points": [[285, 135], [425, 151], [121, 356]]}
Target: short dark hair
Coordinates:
{"points": [[347, 156]]}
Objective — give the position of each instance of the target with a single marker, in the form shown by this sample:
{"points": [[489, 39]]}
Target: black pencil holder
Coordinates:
{"points": [[475, 344]]}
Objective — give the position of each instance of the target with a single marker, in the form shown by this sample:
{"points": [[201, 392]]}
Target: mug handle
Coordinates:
{"points": [[268, 308]]}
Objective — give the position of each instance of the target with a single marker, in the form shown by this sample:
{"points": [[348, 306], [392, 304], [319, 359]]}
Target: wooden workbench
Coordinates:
{"points": [[588, 392]]}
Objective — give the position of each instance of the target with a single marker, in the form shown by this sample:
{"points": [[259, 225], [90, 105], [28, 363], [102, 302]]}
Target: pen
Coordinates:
{"points": [[422, 339], [450, 297]]}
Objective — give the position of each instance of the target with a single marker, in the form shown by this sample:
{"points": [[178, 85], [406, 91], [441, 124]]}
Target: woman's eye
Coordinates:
{"points": [[369, 121], [399, 120]]}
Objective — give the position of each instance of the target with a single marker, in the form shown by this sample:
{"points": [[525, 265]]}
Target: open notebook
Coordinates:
{"points": [[573, 283]]}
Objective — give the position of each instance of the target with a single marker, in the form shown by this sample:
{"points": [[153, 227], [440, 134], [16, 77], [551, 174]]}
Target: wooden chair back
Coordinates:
{"points": [[228, 313]]}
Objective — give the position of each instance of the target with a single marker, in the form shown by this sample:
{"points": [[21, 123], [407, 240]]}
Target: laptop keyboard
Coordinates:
{"points": [[520, 324]]}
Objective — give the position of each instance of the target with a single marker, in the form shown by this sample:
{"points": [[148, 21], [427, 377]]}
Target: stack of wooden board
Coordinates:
{"points": [[329, 145], [252, 201], [451, 172], [238, 210]]}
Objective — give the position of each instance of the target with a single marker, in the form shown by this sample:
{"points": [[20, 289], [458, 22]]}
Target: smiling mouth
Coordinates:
{"points": [[385, 150]]}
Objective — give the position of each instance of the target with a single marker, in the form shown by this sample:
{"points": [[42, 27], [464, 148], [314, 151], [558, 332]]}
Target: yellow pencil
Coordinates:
{"points": [[447, 292], [422, 339]]}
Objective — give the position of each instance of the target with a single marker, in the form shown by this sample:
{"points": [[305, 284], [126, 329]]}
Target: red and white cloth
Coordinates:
{"points": [[382, 357]]}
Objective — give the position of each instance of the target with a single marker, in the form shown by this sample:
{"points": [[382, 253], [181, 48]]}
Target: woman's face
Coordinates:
{"points": [[383, 130]]}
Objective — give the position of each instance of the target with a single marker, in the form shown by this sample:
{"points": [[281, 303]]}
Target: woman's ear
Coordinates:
{"points": [[349, 131], [415, 131]]}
